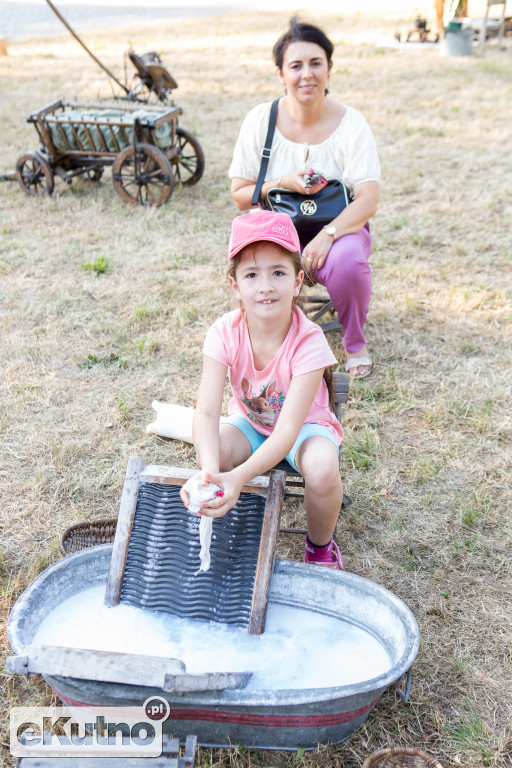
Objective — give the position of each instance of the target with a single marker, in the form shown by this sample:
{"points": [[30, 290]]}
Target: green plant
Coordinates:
{"points": [[90, 362], [472, 511], [472, 737], [99, 265], [123, 406], [459, 665], [363, 449]]}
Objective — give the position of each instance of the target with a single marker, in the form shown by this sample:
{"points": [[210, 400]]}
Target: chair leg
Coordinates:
{"points": [[316, 312]]}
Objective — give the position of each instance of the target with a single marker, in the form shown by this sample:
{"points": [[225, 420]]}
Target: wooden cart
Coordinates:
{"points": [[148, 151]]}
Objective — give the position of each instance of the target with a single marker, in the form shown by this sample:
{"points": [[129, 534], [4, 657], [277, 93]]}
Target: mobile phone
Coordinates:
{"points": [[315, 178]]}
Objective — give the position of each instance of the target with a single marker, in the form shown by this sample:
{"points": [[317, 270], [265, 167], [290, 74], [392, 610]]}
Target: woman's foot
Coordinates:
{"points": [[359, 365]]}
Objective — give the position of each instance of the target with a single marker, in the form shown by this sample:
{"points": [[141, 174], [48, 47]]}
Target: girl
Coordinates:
{"points": [[276, 359]]}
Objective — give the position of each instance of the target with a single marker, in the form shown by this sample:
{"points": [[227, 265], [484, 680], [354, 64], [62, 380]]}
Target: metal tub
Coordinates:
{"points": [[280, 719]]}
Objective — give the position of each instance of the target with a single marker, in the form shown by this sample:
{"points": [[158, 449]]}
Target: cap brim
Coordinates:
{"points": [[269, 239]]}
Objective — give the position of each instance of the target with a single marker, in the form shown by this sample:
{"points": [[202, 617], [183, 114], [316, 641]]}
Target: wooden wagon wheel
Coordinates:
{"points": [[143, 175], [188, 164], [34, 175]]}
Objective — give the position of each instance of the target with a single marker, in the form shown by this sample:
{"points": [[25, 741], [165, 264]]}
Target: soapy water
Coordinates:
{"points": [[299, 649]]}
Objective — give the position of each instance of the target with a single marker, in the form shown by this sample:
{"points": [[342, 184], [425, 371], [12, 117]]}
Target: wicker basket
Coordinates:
{"points": [[88, 534], [401, 757]]}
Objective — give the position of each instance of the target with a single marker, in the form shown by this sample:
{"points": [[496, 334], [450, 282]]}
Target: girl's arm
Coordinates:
{"points": [[291, 419], [205, 427]]}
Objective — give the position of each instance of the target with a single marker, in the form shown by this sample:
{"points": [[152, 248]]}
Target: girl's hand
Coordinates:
{"points": [[197, 479], [221, 504], [315, 252]]}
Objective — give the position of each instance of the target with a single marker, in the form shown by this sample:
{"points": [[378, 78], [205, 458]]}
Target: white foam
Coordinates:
{"points": [[299, 648]]}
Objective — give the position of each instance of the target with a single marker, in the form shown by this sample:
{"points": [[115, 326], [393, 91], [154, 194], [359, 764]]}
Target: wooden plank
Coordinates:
{"points": [[267, 552], [341, 385], [206, 681], [123, 530], [100, 762], [129, 668], [179, 476], [302, 531], [170, 747]]}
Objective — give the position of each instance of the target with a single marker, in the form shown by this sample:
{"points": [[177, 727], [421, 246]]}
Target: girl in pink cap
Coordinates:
{"points": [[278, 362]]}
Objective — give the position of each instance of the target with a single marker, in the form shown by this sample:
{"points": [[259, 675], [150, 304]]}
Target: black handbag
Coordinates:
{"points": [[309, 213]]}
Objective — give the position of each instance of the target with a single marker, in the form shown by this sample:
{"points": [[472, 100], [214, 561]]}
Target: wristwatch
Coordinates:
{"points": [[331, 231]]}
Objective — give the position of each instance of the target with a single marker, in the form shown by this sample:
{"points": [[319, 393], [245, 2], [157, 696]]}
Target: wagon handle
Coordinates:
{"points": [[91, 54]]}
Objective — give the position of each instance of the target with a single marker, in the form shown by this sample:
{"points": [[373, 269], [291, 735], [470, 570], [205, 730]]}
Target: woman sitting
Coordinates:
{"points": [[313, 132]]}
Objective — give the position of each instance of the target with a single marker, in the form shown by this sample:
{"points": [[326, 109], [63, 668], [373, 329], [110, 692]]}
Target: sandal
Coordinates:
{"points": [[356, 362]]}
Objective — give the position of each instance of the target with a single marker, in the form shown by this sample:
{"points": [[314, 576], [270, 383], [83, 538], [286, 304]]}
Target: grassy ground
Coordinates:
{"points": [[104, 307]]}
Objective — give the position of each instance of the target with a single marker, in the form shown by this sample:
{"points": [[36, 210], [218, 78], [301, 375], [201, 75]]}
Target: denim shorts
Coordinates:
{"points": [[256, 438]]}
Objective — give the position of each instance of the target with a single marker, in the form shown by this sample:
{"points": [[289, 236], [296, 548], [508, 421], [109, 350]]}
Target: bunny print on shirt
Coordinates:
{"points": [[265, 407]]}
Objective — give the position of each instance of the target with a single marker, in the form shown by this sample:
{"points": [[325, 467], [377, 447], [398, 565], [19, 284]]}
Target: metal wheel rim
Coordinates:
{"points": [[34, 175], [143, 176], [188, 165]]}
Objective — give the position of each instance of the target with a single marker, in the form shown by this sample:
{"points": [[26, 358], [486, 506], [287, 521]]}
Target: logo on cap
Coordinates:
{"points": [[281, 228]]}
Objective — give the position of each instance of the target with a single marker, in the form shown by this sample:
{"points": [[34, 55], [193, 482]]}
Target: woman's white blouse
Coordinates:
{"points": [[348, 154]]}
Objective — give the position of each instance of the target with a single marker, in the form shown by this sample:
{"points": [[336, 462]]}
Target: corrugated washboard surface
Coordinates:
{"points": [[162, 568]]}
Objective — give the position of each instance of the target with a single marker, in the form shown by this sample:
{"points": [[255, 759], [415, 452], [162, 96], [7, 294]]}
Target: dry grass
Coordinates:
{"points": [[427, 455]]}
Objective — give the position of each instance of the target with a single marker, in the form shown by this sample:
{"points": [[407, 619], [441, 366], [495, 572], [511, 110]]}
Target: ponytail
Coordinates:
{"points": [[328, 378]]}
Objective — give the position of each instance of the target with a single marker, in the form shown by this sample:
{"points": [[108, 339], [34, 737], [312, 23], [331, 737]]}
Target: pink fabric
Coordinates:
{"points": [[347, 277], [257, 226], [259, 395]]}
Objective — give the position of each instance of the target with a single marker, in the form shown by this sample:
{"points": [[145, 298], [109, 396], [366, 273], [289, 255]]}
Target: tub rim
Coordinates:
{"points": [[288, 696]]}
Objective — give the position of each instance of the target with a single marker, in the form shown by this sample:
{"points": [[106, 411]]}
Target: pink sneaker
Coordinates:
{"points": [[335, 562]]}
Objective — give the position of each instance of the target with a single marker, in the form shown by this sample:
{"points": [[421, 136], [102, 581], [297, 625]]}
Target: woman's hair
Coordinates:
{"points": [[300, 32], [294, 257]]}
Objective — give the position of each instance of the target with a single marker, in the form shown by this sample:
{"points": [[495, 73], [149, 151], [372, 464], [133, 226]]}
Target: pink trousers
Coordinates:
{"points": [[347, 277]]}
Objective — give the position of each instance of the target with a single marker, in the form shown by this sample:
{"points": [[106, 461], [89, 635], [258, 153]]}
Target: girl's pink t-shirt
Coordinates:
{"points": [[259, 395]]}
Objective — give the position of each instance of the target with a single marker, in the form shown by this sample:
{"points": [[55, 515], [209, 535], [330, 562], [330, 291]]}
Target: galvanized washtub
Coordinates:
{"points": [[281, 719]]}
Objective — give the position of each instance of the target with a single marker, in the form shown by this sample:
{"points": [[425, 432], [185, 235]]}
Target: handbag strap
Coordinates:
{"points": [[265, 152]]}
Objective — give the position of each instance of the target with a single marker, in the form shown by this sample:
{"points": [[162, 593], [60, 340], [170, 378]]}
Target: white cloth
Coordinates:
{"points": [[205, 539], [198, 493], [348, 154]]}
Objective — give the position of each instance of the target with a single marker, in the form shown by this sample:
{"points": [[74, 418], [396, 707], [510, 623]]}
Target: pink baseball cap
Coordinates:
{"points": [[263, 225]]}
